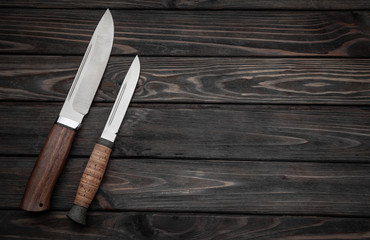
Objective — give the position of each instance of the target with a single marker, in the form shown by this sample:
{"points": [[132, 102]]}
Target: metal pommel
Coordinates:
{"points": [[78, 214]]}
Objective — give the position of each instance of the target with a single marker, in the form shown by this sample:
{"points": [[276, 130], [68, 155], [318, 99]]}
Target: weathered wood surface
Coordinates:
{"points": [[190, 33], [201, 4], [197, 80], [246, 124], [211, 186], [139, 226], [264, 132]]}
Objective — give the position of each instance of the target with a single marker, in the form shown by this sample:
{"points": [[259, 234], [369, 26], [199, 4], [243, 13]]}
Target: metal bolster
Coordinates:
{"points": [[105, 142], [108, 135], [68, 123]]}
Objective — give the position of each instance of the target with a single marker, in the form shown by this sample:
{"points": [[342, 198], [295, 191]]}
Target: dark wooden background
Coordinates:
{"points": [[250, 119]]}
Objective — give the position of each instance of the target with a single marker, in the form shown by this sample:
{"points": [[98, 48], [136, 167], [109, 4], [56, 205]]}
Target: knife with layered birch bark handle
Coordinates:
{"points": [[95, 168], [53, 155]]}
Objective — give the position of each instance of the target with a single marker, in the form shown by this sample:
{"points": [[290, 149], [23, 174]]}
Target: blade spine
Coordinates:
{"points": [[116, 103], [79, 71]]}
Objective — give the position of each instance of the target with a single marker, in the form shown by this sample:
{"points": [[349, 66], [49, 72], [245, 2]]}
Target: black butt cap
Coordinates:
{"points": [[78, 214]]}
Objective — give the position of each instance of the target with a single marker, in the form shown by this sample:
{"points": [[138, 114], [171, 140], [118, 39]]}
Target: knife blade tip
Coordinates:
{"points": [[106, 24], [136, 62]]}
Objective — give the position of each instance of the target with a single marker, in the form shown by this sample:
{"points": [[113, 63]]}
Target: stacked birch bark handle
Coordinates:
{"points": [[90, 182]]}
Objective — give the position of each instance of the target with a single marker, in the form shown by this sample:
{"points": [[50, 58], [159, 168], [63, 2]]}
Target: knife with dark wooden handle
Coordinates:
{"points": [[53, 155], [48, 167], [95, 168]]}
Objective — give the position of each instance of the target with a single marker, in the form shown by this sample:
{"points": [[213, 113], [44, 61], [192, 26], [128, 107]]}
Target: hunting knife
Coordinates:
{"points": [[95, 168], [53, 155]]}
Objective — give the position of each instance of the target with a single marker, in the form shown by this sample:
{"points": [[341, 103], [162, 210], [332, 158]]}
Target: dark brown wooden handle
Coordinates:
{"points": [[47, 169], [92, 175]]}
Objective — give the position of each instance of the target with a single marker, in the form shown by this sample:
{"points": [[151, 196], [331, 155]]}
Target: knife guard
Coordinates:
{"points": [[90, 181], [47, 169]]}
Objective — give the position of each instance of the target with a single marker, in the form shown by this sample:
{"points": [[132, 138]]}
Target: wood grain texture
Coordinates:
{"points": [[92, 176], [196, 80], [47, 169], [248, 122], [264, 132], [212, 186], [189, 33], [201, 4], [141, 226]]}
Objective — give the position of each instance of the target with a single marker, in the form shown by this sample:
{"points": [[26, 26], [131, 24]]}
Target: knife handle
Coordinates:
{"points": [[47, 169], [90, 182]]}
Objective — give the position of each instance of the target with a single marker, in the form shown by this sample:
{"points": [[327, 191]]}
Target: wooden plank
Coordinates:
{"points": [[203, 131], [131, 225], [297, 133], [196, 80], [204, 4], [206, 186], [189, 33]]}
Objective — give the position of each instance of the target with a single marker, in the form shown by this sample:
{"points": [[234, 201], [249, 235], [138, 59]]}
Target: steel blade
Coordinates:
{"points": [[89, 74], [122, 101]]}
